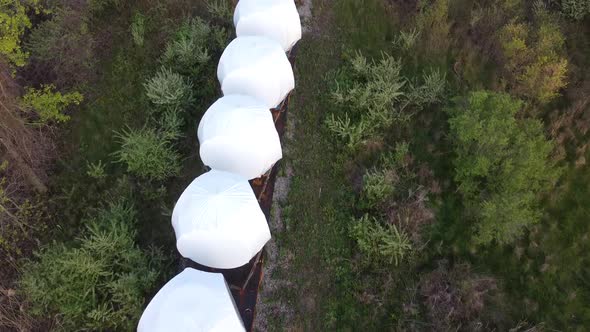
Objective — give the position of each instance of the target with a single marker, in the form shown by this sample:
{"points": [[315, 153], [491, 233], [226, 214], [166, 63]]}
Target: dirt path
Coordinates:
{"points": [[270, 304]]}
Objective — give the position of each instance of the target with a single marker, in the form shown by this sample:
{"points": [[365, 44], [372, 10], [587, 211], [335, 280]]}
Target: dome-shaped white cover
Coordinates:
{"points": [[192, 301], [257, 67], [218, 221], [275, 19], [237, 134]]}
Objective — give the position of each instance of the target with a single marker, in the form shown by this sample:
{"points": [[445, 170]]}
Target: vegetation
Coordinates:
{"points": [[93, 110], [436, 160], [148, 154], [446, 183], [50, 105], [501, 165], [100, 282]]}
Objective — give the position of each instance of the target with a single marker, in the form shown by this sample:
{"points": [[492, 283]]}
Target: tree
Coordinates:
{"points": [[65, 45], [534, 61], [13, 23], [575, 9], [168, 89], [372, 95], [100, 282], [148, 154], [50, 105], [502, 164], [188, 52]]}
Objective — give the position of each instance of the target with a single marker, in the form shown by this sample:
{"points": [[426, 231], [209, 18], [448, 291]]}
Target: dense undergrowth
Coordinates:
{"points": [[95, 244], [439, 160]]}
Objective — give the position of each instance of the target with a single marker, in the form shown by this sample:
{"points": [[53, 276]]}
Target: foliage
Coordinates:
{"points": [[431, 91], [406, 40], [220, 9], [169, 89], [379, 244], [13, 24], [455, 297], [65, 45], [368, 93], [434, 25], [533, 56], [575, 9], [96, 170], [188, 52], [378, 186], [148, 154], [138, 29], [98, 6], [100, 282], [501, 164], [50, 105], [374, 95]]}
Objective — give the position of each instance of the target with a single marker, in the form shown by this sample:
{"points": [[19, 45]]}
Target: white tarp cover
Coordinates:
{"points": [[237, 134], [218, 221], [257, 67], [275, 19], [192, 301]]}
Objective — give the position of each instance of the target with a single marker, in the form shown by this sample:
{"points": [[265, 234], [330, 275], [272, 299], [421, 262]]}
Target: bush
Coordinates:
{"points": [[65, 45], [13, 24], [368, 93], [534, 61], [379, 244], [575, 9], [99, 283], [148, 154], [188, 52], [169, 89], [138, 29], [374, 95], [502, 164], [378, 186], [433, 23], [50, 105]]}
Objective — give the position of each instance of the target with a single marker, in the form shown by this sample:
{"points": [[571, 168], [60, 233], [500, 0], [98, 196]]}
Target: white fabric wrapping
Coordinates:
{"points": [[275, 19], [256, 67], [237, 134], [192, 301], [218, 221]]}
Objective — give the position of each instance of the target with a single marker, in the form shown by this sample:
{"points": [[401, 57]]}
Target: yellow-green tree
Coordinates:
{"points": [[502, 164], [534, 62], [13, 24]]}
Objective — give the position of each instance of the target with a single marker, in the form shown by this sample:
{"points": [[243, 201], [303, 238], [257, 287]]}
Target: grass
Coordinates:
{"points": [[542, 279]]}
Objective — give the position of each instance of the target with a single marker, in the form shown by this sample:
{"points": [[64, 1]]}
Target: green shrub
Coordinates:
{"points": [[138, 29], [431, 91], [170, 125], [98, 6], [378, 186], [148, 154], [99, 283], [502, 164], [221, 10], [369, 94], [433, 23], [379, 244], [14, 21], [50, 105], [64, 44], [575, 9], [96, 170], [169, 89], [535, 64], [188, 52]]}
